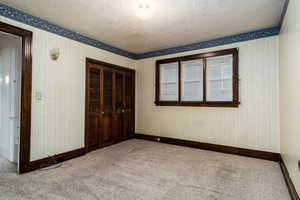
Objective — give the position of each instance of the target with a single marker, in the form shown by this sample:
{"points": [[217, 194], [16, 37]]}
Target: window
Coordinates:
{"points": [[219, 78], [169, 81], [192, 80], [208, 79]]}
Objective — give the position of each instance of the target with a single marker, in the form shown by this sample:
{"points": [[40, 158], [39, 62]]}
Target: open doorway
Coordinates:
{"points": [[15, 98], [10, 100]]}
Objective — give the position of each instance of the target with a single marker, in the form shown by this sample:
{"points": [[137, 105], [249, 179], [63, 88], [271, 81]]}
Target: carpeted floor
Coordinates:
{"points": [[138, 169], [6, 167]]}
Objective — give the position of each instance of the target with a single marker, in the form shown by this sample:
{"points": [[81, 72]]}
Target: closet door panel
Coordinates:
{"points": [[93, 135], [94, 108], [107, 134], [119, 127], [119, 104], [129, 91], [128, 112], [127, 125], [94, 91]]}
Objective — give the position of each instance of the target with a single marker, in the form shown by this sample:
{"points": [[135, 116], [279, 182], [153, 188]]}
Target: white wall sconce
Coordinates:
{"points": [[54, 54]]}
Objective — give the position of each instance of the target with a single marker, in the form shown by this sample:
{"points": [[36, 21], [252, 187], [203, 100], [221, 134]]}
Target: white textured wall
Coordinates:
{"points": [[58, 120], [289, 90], [5, 102], [10, 66], [254, 125]]}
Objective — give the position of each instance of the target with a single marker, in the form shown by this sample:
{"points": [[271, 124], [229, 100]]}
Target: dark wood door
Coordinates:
{"points": [[109, 104], [128, 110], [93, 114], [119, 105], [107, 137]]}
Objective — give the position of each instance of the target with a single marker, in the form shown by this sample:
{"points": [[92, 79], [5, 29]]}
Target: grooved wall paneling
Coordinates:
{"points": [[254, 125], [289, 42]]}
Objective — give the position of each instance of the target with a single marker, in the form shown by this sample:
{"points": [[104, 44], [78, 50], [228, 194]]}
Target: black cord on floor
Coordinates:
{"points": [[55, 166]]}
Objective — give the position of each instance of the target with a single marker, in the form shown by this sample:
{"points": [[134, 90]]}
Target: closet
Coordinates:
{"points": [[110, 105]]}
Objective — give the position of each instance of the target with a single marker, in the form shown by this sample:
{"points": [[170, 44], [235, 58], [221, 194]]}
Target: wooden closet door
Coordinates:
{"points": [[109, 104], [119, 104], [128, 110], [94, 108], [107, 137]]}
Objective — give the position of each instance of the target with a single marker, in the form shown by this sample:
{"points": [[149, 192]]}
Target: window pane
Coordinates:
{"points": [[219, 78], [192, 80], [169, 82]]}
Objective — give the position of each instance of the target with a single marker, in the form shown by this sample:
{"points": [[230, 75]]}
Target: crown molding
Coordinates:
{"points": [[253, 35], [42, 24]]}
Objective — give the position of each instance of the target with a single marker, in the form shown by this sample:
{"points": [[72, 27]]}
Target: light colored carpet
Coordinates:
{"points": [[6, 167], [142, 170]]}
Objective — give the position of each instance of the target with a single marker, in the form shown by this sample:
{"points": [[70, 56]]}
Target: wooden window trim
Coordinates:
{"points": [[235, 80]]}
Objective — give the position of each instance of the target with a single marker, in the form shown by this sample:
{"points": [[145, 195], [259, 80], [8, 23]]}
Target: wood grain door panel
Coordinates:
{"points": [[118, 127], [128, 112], [107, 134], [93, 115], [127, 125], [93, 123], [119, 104]]}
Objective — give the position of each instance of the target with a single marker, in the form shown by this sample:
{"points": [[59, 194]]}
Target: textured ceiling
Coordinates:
{"points": [[170, 23]]}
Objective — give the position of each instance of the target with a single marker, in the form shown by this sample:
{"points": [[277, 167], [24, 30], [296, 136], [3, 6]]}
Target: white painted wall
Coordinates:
{"points": [[58, 119], [254, 125], [289, 90], [4, 103], [10, 82]]}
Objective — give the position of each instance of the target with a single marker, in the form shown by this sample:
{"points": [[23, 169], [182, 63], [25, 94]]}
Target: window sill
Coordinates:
{"points": [[199, 104]]}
